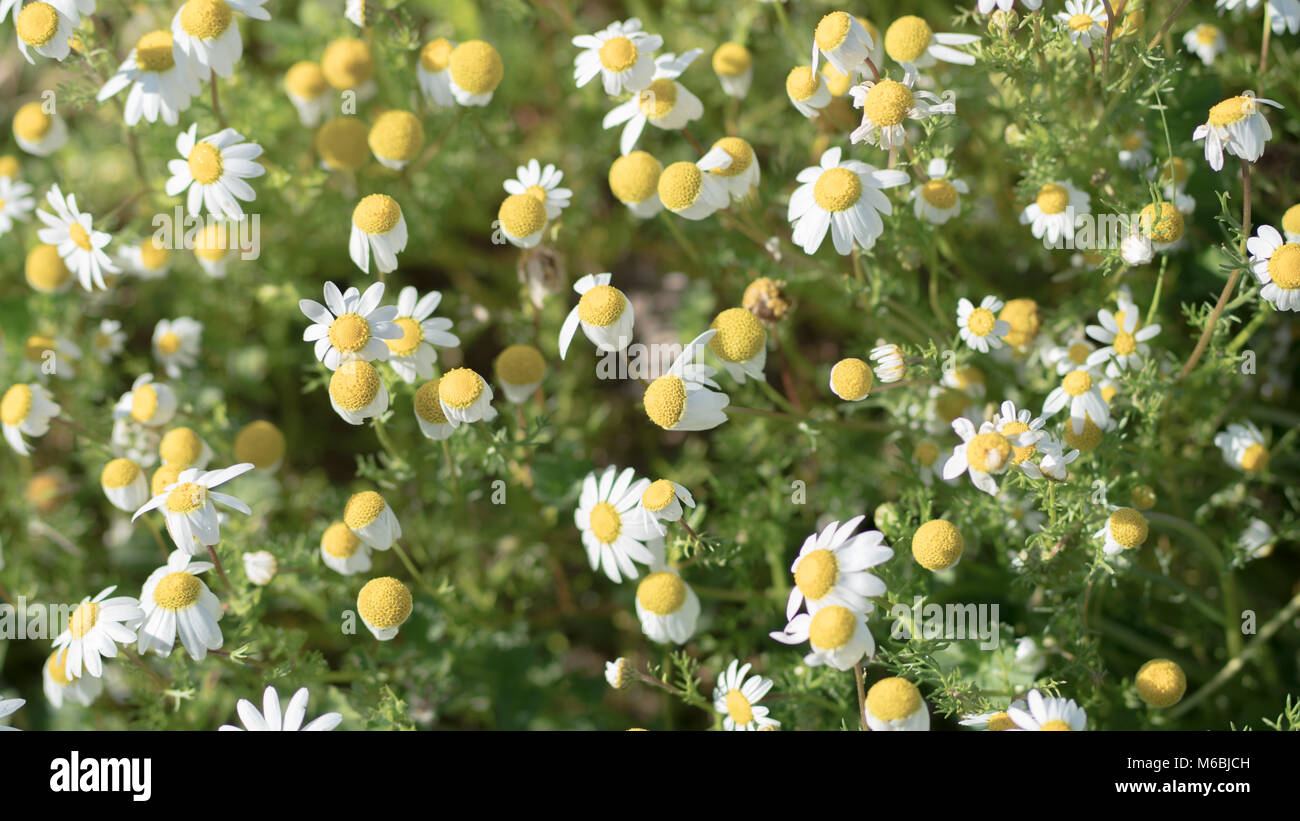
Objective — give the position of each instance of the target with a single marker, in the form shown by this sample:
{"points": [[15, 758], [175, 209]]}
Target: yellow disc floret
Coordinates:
{"points": [[408, 344], [1053, 198], [45, 269], [939, 193], [1023, 317], [164, 477], [1086, 439], [837, 189], [1162, 222], [999, 722], [520, 365], [1077, 382], [887, 103], [260, 443], [521, 215], [1232, 110], [119, 473], [1161, 683], [16, 405], [213, 242], [832, 30], [988, 452], [180, 446], [1290, 220], [153, 52], [893, 699], [37, 24], [618, 54], [907, 38], [851, 379], [476, 67], [177, 591], [187, 497], [816, 574], [658, 495], [354, 385], [384, 602], [739, 708], [635, 178], [1128, 527], [305, 80], [832, 627], [396, 135], [363, 509], [31, 123], [801, 83], [460, 388], [349, 333], [435, 57], [83, 618], [376, 214], [206, 19], [339, 541], [937, 544], [680, 185], [741, 153], [57, 667], [740, 336], [343, 143], [1284, 266], [606, 523], [665, 401], [662, 593], [732, 60], [347, 63], [1254, 458], [427, 406]]}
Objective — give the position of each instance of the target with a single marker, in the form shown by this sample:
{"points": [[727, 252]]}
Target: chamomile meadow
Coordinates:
{"points": [[542, 366]]}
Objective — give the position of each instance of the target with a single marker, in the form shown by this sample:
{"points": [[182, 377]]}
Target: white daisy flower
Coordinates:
{"points": [[622, 54], [836, 636], [844, 198], [271, 719], [733, 162], [1048, 714], [521, 220], [37, 131], [519, 370], [148, 402], [395, 138], [734, 66], [368, 515], [9, 706], [686, 397], [213, 248], [1276, 264], [617, 673], [474, 70], [15, 203], [910, 42], [926, 457], [1073, 354], [807, 90], [176, 344], [736, 698], [938, 199], [1257, 539], [634, 181], [987, 6], [79, 244], [124, 484], [206, 35], [740, 344], [1243, 447], [1206, 42], [851, 379], [26, 409], [661, 501], [667, 607], [541, 183], [1291, 223], [309, 92], [412, 354], [664, 103], [213, 170], [895, 704], [1125, 345], [176, 602], [58, 685], [1022, 424], [985, 452], [1079, 390], [344, 551], [351, 325], [889, 366], [433, 422], [603, 312], [996, 721], [108, 341], [1136, 249], [260, 567], [1284, 15], [844, 41], [1084, 20], [187, 506], [887, 104], [1055, 460], [831, 569], [980, 327], [384, 605], [95, 629], [1125, 529], [1055, 210], [434, 72], [691, 190], [1135, 150], [378, 227], [1236, 125], [159, 84], [613, 536], [47, 356], [465, 397], [357, 392], [46, 28]]}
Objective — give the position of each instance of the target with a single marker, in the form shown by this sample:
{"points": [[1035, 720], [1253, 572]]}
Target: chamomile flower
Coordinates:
{"points": [[521, 219], [519, 370], [46, 271], [47, 355], [355, 12], [95, 629], [213, 171], [686, 397], [176, 344], [351, 325], [844, 41], [384, 605], [176, 602], [187, 506], [38, 131], [980, 327], [542, 184], [1025, 321], [736, 698], [1125, 345], [26, 409], [58, 685], [1237, 126], [357, 392], [261, 443], [807, 90], [667, 607], [80, 245], [348, 65], [396, 138], [1134, 150], [465, 397], [182, 446], [1256, 541], [844, 198], [836, 636], [1242, 445], [926, 457], [740, 344], [987, 6], [895, 704], [378, 227], [1276, 264], [1080, 391], [1048, 714], [622, 54], [1136, 249], [108, 340], [691, 190], [213, 248], [1084, 20], [889, 366], [260, 567], [309, 92], [343, 551], [1206, 42], [1011, 422], [8, 706], [412, 354], [661, 501], [15, 203], [474, 72], [1073, 354], [429, 415], [46, 28], [124, 484], [368, 515], [733, 162], [831, 569], [618, 673], [1291, 223], [433, 72], [998, 720], [271, 719], [910, 42], [938, 199], [148, 402], [1284, 15], [1054, 211], [983, 453], [851, 379], [159, 85], [603, 312], [887, 104], [206, 35], [1125, 529], [664, 103], [613, 536], [634, 181], [734, 66]]}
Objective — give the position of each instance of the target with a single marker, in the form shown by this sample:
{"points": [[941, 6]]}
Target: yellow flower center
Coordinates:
{"points": [[1125, 343], [153, 52], [306, 80], [1284, 266], [1291, 220], [58, 667], [1020, 454], [832, 627], [376, 214], [1081, 22], [38, 345], [837, 189], [926, 453], [606, 524], [981, 322], [1053, 198], [384, 602], [1079, 351], [15, 406], [1077, 383], [1162, 222], [1128, 527], [679, 185], [339, 541], [1207, 35], [347, 63], [83, 618], [999, 722], [1144, 497], [1232, 110], [427, 406], [1161, 683], [665, 401], [396, 135], [939, 193], [354, 385], [522, 215], [950, 404], [851, 379], [349, 332], [205, 163], [659, 99], [260, 443], [31, 123], [836, 83], [206, 19], [187, 497], [887, 103], [409, 342], [937, 544], [119, 473], [46, 270], [741, 153], [180, 446], [520, 365], [635, 178], [343, 143], [460, 387], [893, 699], [363, 509], [661, 593], [988, 452], [80, 236], [212, 243], [37, 24], [1022, 316], [1055, 725], [1132, 142], [164, 477], [618, 54], [658, 495], [739, 708], [476, 67], [153, 256], [740, 336], [601, 305], [907, 39], [169, 343], [1087, 439], [1174, 172], [816, 574], [144, 403], [832, 30], [801, 83], [732, 60], [436, 55], [1254, 458]]}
